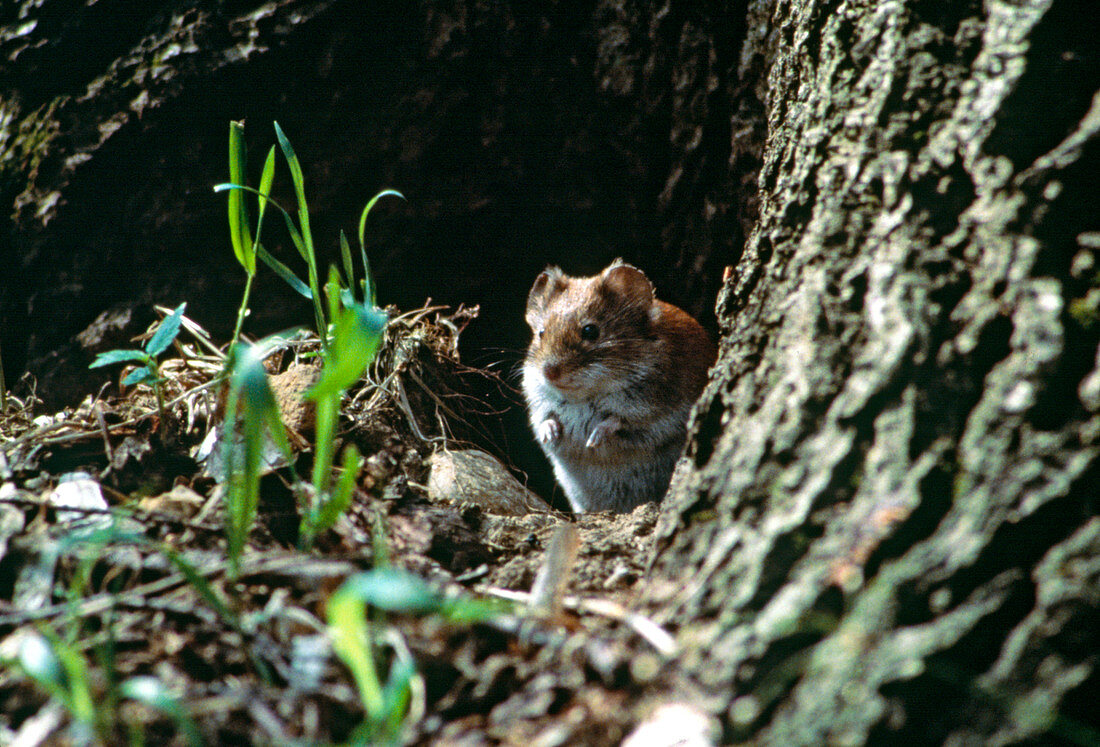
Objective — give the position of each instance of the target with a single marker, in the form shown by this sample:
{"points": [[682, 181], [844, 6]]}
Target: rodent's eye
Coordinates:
{"points": [[590, 332]]}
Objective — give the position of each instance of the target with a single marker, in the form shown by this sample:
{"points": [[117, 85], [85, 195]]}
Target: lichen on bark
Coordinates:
{"points": [[892, 450]]}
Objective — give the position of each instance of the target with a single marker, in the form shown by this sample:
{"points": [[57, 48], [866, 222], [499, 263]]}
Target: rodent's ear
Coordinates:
{"points": [[548, 284], [628, 282]]}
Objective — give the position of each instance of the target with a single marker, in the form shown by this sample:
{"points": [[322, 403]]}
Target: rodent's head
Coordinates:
{"points": [[591, 334]]}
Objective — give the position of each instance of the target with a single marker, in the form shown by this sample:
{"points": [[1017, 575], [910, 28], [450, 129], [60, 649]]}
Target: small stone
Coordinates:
{"points": [[288, 387], [470, 475], [675, 724], [78, 491]]}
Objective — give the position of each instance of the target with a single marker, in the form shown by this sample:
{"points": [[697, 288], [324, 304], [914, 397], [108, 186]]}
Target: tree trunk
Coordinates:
{"points": [[889, 529]]}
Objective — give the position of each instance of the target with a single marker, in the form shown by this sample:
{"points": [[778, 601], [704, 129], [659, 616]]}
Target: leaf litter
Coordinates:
{"points": [[113, 552]]}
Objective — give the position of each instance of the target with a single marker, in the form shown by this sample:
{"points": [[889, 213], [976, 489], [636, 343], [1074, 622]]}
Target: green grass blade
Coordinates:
{"points": [[306, 236], [151, 692], [345, 255], [350, 633], [326, 417], [284, 272], [305, 250], [39, 661], [298, 180], [267, 199], [359, 333], [60, 670], [82, 703], [238, 211], [397, 694], [393, 590], [266, 178], [202, 587], [332, 293], [236, 483], [292, 162], [167, 331], [332, 509], [249, 389], [468, 610], [296, 237], [273, 422], [368, 281]]}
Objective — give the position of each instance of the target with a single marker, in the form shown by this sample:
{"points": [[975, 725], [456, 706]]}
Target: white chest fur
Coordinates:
{"points": [[608, 452]]}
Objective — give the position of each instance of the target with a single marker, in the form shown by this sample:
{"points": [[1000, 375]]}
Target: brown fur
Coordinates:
{"points": [[618, 401]]}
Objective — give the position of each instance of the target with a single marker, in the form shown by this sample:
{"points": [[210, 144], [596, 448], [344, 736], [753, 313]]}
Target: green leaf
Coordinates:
{"points": [[80, 701], [359, 333], [327, 415], [204, 589], [262, 199], [345, 255], [296, 237], [250, 393], [284, 272], [112, 357], [347, 298], [332, 293], [143, 375], [166, 332], [61, 670], [266, 178], [341, 496], [292, 162], [298, 180], [392, 590], [370, 205], [397, 693], [238, 212], [304, 242], [151, 692], [351, 640], [266, 197], [249, 377], [368, 282], [467, 610]]}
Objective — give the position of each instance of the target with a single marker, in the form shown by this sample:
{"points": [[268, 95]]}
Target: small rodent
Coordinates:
{"points": [[610, 376]]}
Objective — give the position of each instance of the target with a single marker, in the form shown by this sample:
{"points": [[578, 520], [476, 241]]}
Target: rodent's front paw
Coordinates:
{"points": [[602, 431], [548, 431]]}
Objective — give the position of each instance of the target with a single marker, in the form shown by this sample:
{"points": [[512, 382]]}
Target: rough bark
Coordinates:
{"points": [[890, 529]]}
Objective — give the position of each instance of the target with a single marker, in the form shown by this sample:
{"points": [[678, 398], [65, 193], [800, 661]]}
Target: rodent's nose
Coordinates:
{"points": [[552, 372]]}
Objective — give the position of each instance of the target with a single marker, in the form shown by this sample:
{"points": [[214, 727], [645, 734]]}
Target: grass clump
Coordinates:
{"points": [[252, 441], [388, 590], [350, 327], [87, 684]]}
